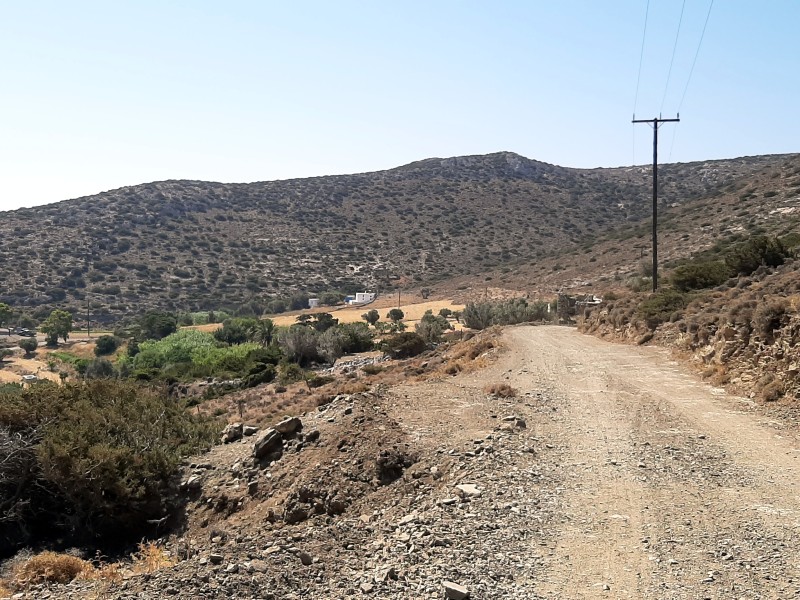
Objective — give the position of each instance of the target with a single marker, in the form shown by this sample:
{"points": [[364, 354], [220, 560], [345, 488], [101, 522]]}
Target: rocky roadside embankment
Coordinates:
{"points": [[351, 502]]}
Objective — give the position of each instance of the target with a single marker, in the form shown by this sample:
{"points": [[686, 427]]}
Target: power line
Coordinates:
{"points": [[638, 80], [696, 54], [691, 72], [672, 60], [641, 57]]}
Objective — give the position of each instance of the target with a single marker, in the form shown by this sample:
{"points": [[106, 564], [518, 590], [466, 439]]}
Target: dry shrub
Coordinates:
{"points": [[372, 369], [353, 387], [501, 390], [453, 368], [50, 567], [322, 399], [768, 317], [150, 558], [772, 391], [5, 591], [769, 388]]}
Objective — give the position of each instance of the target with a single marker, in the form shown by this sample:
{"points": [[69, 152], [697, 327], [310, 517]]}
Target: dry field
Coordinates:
{"points": [[352, 314]]}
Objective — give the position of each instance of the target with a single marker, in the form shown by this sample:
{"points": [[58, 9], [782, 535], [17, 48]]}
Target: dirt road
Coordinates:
{"points": [[613, 473], [669, 489]]}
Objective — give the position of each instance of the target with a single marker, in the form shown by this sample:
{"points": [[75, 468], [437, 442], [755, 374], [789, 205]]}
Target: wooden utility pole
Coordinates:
{"points": [[655, 123]]}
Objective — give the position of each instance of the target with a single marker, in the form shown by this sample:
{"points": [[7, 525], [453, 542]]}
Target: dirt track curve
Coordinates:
{"points": [[668, 488]]}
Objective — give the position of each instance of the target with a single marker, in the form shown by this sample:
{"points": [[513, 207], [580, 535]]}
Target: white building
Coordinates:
{"points": [[364, 297]]}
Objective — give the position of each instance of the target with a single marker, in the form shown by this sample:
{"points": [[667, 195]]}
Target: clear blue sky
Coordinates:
{"points": [[98, 95]]}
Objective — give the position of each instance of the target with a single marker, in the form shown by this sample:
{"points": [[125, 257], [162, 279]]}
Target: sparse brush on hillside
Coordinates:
{"points": [[735, 257], [480, 315], [191, 246], [662, 306], [90, 460]]}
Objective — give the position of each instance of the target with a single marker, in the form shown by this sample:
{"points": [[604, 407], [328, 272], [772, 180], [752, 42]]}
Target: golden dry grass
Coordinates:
{"points": [[5, 591], [50, 567], [55, 567]]}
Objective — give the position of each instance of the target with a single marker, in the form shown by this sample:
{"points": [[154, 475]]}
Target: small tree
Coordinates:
{"points": [[371, 317], [29, 345], [236, 330], [5, 316], [262, 331], [324, 321], [395, 315], [330, 298], [431, 327], [156, 325], [57, 325], [299, 344]]}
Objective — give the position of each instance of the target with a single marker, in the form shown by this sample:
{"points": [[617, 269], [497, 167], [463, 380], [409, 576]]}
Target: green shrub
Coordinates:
{"points": [[99, 368], [698, 275], [431, 327], [330, 298], [156, 325], [259, 373], [358, 337], [105, 345], [319, 380], [371, 316], [404, 345], [291, 373], [189, 353], [660, 307], [747, 256], [395, 315], [299, 343], [102, 456], [480, 315]]}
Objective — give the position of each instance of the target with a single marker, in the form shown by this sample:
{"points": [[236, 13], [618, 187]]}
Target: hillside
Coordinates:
{"points": [[185, 245]]}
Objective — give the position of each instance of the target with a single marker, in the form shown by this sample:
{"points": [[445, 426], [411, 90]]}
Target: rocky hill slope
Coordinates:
{"points": [[185, 245]]}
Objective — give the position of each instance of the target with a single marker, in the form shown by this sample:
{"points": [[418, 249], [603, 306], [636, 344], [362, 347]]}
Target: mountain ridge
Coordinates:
{"points": [[191, 245]]}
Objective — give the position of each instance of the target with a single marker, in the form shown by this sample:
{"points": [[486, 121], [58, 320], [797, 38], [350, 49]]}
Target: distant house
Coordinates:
{"points": [[363, 297], [349, 299], [313, 302]]}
